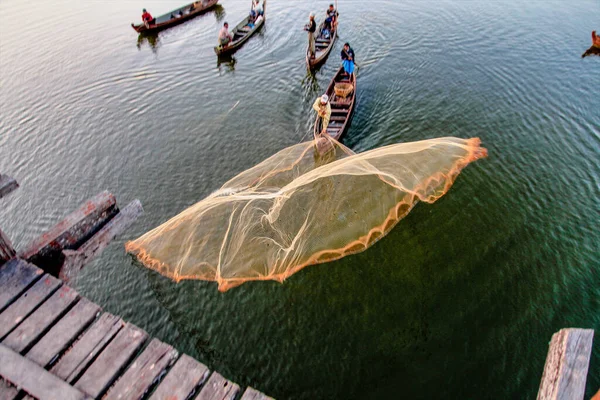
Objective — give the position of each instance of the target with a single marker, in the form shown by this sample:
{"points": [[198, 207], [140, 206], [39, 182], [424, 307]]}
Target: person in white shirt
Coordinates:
{"points": [[224, 35]]}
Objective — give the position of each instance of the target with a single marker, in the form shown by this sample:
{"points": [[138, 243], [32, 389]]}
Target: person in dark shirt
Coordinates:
{"points": [[348, 59], [331, 18], [311, 27]]}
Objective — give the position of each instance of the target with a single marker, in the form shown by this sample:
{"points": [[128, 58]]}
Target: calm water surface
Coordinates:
{"points": [[459, 301]]}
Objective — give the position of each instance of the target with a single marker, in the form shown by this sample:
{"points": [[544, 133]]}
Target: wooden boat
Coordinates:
{"points": [[341, 108], [323, 46], [176, 16], [242, 32]]}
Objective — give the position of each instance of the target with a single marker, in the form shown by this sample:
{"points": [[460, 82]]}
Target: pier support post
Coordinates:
{"points": [[71, 232], [567, 365], [6, 250], [75, 260]]}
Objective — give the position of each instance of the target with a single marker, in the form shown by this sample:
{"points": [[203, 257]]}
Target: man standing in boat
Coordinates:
{"points": [[323, 109], [311, 27], [147, 18], [224, 35]]}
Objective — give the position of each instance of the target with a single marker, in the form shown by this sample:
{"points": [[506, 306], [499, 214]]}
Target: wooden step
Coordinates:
{"points": [[83, 352], [65, 332], [27, 303], [34, 327], [144, 371], [15, 277], [107, 367], [181, 381], [218, 387], [34, 379]]}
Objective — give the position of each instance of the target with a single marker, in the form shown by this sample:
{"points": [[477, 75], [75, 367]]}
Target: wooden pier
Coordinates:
{"points": [[56, 344]]}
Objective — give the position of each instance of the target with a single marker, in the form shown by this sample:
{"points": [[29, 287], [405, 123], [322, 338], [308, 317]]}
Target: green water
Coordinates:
{"points": [[460, 300]]}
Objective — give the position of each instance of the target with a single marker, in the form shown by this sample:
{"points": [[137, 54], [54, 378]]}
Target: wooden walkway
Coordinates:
{"points": [[55, 344]]}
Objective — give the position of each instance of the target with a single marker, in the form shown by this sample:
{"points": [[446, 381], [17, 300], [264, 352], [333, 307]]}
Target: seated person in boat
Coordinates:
{"points": [[255, 12], [224, 35], [311, 27], [147, 18], [323, 109], [595, 49], [348, 59], [331, 18], [258, 8]]}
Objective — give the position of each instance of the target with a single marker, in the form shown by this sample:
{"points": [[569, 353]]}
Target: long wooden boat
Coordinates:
{"points": [[176, 16], [323, 46], [341, 108], [242, 32]]}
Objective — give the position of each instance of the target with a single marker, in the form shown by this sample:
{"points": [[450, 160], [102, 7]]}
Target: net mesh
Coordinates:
{"points": [[310, 203]]}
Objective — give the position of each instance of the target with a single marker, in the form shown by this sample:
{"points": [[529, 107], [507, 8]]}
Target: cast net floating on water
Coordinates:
{"points": [[310, 203]]}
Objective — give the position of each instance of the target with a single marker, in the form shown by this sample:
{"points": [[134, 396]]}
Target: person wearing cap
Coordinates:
{"points": [[311, 27], [348, 59], [323, 109], [224, 35], [147, 18]]}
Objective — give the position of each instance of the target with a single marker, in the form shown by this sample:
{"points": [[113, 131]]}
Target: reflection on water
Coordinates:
{"points": [[226, 63], [150, 38], [219, 11]]}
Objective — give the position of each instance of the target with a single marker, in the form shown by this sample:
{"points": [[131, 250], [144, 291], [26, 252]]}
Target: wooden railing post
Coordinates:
{"points": [[6, 250], [567, 364]]}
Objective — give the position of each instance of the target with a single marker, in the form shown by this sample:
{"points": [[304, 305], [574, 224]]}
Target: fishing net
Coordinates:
{"points": [[308, 204]]}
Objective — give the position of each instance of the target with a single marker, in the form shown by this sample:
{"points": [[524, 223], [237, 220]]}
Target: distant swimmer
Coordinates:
{"points": [[595, 49]]}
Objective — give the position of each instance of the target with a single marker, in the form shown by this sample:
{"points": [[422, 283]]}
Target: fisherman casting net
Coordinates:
{"points": [[302, 206]]}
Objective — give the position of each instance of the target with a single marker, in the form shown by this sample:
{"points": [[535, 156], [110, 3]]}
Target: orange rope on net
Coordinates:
{"points": [[302, 206]]}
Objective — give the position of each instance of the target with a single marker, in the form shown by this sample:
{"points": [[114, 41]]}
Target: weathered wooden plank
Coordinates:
{"points": [[41, 320], [144, 371], [33, 379], [7, 251], [84, 350], [75, 260], [71, 232], [567, 365], [7, 185], [218, 388], [7, 391], [181, 381], [111, 361], [64, 332], [253, 394], [27, 303], [15, 277]]}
